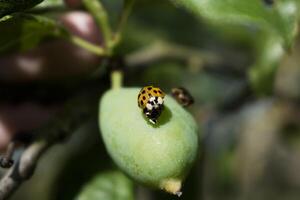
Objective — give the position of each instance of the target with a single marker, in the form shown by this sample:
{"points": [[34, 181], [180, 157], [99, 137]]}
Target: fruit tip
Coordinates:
{"points": [[179, 193], [172, 186]]}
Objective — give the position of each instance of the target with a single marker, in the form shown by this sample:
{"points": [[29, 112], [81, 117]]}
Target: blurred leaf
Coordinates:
{"points": [[279, 19], [112, 185], [144, 28], [50, 3], [261, 74], [157, 73], [269, 51], [10, 6], [213, 89], [287, 78], [26, 31]]}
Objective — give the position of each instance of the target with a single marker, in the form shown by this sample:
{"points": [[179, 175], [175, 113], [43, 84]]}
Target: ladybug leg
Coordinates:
{"points": [[153, 121]]}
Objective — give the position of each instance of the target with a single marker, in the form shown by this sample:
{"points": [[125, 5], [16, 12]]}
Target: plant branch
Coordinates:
{"points": [[96, 8], [87, 45], [127, 7], [194, 58], [165, 50], [6, 161], [62, 126]]}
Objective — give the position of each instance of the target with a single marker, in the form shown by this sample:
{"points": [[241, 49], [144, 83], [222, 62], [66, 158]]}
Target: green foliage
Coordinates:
{"points": [[262, 72], [50, 3], [269, 52], [25, 31], [11, 6], [272, 24], [111, 185], [278, 19]]}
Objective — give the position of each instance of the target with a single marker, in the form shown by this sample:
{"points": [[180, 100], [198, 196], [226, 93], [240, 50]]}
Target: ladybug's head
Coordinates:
{"points": [[153, 114]]}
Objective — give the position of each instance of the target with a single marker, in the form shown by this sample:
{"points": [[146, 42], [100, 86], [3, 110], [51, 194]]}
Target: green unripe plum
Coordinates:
{"points": [[157, 155]]}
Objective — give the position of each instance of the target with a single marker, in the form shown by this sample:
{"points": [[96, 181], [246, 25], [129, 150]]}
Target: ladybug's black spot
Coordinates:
{"points": [[159, 91], [149, 88], [141, 102], [144, 98], [155, 91], [143, 92]]}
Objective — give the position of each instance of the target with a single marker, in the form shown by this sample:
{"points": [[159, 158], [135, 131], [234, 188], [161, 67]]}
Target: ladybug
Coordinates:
{"points": [[151, 100], [182, 96]]}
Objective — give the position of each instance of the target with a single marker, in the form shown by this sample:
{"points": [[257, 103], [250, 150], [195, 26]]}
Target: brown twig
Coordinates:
{"points": [[161, 50], [195, 59], [6, 161], [63, 125]]}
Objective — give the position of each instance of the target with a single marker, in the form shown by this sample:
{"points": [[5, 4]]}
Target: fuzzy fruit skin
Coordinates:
{"points": [[150, 154]]}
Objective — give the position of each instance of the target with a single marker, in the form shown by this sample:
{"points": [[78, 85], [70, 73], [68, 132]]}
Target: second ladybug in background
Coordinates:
{"points": [[151, 100], [182, 96]]}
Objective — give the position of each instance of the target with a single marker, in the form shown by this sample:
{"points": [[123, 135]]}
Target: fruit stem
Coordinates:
{"points": [[116, 78]]}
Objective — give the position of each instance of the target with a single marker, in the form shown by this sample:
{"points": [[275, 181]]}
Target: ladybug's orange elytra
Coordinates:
{"points": [[146, 93]]}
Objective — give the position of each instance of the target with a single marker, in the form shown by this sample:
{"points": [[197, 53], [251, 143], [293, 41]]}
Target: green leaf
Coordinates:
{"points": [[269, 51], [268, 55], [111, 185], [26, 31], [273, 25], [10, 6], [278, 19], [50, 3]]}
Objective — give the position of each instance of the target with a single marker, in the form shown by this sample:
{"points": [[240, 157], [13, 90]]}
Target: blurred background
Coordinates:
{"points": [[239, 60]]}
